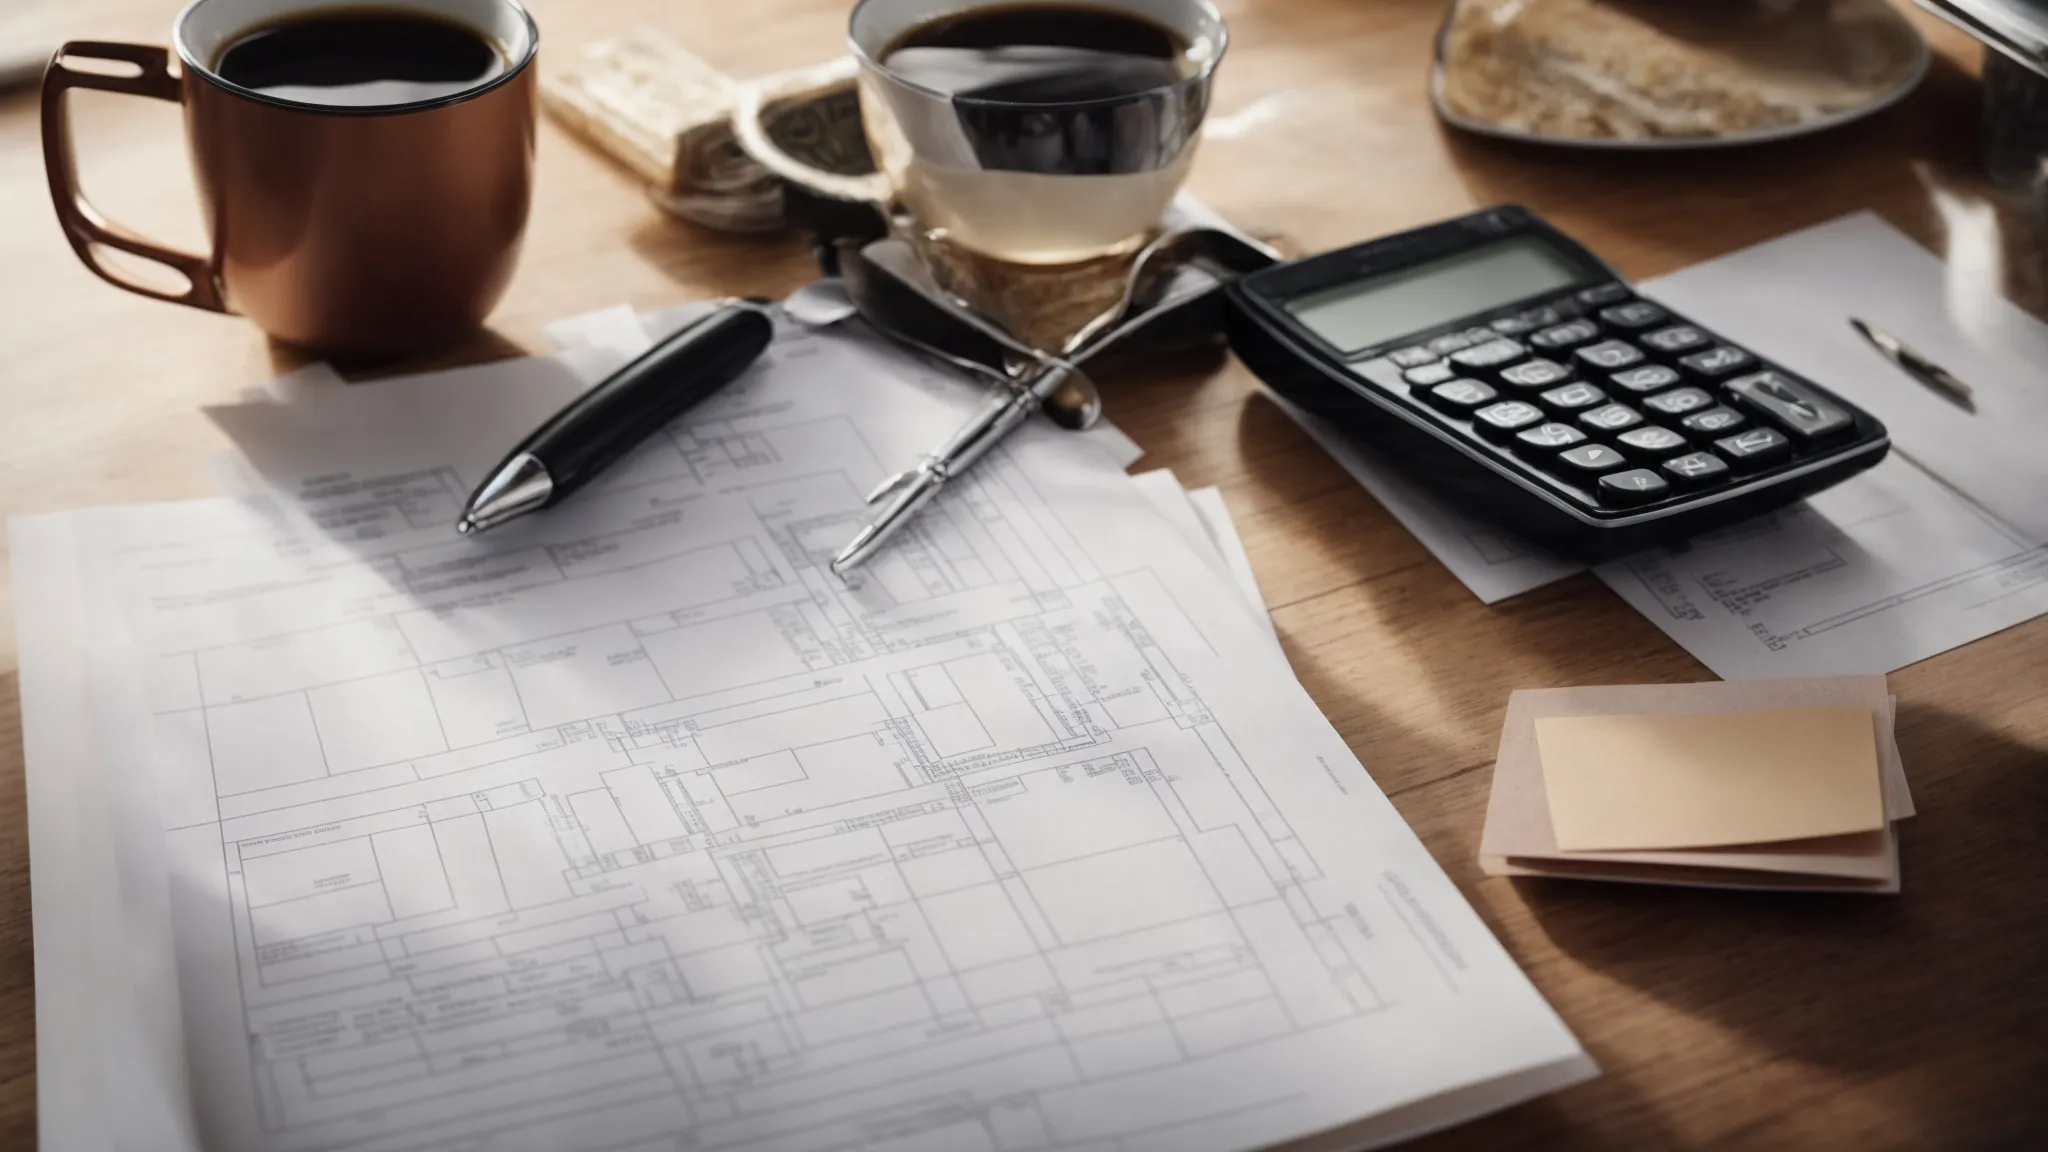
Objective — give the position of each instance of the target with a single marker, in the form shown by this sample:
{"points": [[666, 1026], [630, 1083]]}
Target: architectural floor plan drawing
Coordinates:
{"points": [[638, 829], [1884, 570]]}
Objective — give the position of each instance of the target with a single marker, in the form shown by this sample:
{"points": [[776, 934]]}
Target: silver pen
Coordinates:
{"points": [[1919, 367], [907, 492], [1217, 254]]}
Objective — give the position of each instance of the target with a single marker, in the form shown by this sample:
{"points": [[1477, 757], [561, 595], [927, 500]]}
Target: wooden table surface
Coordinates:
{"points": [[1720, 1019]]}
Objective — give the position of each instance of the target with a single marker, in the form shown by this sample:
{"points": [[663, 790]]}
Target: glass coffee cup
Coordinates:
{"points": [[1030, 133]]}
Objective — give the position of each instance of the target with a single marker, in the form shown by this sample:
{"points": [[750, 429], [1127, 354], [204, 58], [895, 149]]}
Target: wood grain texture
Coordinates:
{"points": [[1721, 1020]]}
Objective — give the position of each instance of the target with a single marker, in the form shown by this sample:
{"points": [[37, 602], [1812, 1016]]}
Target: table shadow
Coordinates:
{"points": [[480, 347], [1931, 980]]}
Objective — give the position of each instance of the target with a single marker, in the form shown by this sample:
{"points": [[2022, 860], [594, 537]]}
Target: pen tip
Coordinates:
{"points": [[465, 526]]}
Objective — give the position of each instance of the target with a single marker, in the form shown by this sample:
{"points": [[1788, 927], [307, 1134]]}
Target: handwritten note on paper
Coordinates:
{"points": [[1694, 781]]}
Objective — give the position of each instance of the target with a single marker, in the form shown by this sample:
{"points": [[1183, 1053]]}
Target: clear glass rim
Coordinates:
{"points": [[1194, 79]]}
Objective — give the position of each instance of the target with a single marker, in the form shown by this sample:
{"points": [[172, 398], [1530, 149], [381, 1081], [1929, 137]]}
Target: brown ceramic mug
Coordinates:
{"points": [[369, 229]]}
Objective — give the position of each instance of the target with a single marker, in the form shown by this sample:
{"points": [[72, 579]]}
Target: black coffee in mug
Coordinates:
{"points": [[1040, 54], [360, 58]]}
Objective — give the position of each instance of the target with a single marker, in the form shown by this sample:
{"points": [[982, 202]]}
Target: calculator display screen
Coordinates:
{"points": [[1365, 312]]}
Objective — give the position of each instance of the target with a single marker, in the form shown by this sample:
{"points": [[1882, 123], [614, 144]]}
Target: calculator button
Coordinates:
{"points": [[1547, 438], [1611, 418], [1533, 374], [1572, 398], [1635, 486], [1501, 421], [1453, 342], [1414, 357], [1492, 354], [1673, 340], [1604, 294], [1526, 321], [1714, 421], [1790, 405], [1460, 397], [1632, 315], [1566, 335], [1430, 375], [1651, 442], [1696, 469], [1588, 460], [1716, 362], [1679, 401], [1756, 448], [1609, 355], [1649, 378]]}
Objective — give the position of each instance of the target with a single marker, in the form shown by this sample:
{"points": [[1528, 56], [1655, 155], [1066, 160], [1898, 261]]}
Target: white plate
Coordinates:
{"points": [[1678, 143]]}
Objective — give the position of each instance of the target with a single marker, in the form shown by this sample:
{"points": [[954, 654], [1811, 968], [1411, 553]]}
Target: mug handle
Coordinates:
{"points": [[83, 225], [749, 129]]}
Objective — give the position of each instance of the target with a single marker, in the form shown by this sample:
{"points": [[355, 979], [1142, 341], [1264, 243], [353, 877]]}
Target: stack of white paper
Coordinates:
{"points": [[630, 825]]}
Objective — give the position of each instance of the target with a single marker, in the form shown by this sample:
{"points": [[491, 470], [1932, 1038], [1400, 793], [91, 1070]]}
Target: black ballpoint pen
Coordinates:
{"points": [[605, 423]]}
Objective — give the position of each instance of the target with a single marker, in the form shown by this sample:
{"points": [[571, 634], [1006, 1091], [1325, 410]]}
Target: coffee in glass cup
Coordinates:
{"points": [[1036, 133]]}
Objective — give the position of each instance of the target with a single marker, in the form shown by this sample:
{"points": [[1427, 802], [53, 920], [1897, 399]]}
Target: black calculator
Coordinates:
{"points": [[1512, 371]]}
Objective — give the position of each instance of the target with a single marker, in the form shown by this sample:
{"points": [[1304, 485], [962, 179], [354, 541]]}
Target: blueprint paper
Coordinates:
{"points": [[1163, 490], [1791, 299], [1493, 563], [106, 993], [1048, 847], [1215, 515], [56, 730], [1874, 574]]}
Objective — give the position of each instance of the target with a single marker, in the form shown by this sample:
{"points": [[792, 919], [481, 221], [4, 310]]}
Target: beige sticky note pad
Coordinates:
{"points": [[1696, 781]]}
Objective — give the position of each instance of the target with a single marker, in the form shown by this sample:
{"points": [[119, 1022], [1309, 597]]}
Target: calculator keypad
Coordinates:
{"points": [[1635, 486], [1611, 418], [1534, 375], [1544, 439], [1717, 421], [1588, 460], [1609, 355], [1645, 380], [1566, 335], [1754, 449], [1430, 375], [1678, 402], [1671, 341], [1460, 397], [1572, 398], [1717, 363], [1790, 405], [1651, 442], [1501, 421], [1492, 354], [1634, 314], [1617, 398], [1696, 469]]}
